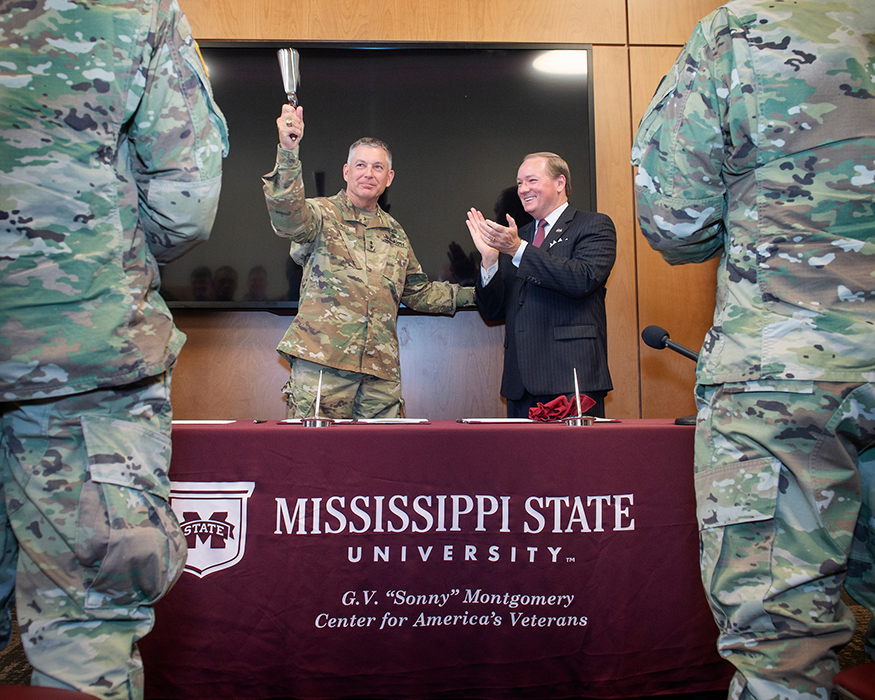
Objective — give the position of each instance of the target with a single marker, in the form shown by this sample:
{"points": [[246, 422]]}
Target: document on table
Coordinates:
{"points": [[524, 420], [366, 421], [495, 420], [393, 421], [203, 421]]}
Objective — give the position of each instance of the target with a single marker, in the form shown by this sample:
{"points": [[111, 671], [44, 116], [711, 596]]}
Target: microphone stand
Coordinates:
{"points": [[658, 338]]}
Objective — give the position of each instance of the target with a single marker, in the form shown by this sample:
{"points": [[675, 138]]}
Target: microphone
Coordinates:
{"points": [[657, 337]]}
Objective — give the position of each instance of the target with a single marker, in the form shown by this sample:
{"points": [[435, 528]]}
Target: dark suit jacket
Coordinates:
{"points": [[554, 307]]}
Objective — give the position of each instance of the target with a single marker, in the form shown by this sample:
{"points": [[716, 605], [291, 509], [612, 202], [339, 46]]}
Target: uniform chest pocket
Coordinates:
{"points": [[344, 248]]}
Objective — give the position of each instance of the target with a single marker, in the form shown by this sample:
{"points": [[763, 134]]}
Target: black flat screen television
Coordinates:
{"points": [[458, 119]]}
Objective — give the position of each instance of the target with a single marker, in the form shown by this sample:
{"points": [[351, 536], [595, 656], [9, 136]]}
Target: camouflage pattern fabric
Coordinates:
{"points": [[785, 484], [87, 499], [357, 271], [8, 562], [759, 147], [110, 162], [344, 394]]}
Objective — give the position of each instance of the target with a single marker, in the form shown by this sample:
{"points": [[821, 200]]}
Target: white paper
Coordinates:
{"points": [[496, 420], [391, 421], [203, 422]]}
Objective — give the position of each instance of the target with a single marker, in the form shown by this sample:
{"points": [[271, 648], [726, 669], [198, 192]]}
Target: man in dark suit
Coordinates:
{"points": [[547, 281]]}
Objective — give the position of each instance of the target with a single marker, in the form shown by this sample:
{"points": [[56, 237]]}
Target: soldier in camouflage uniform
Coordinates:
{"points": [[358, 267], [110, 162], [759, 147]]}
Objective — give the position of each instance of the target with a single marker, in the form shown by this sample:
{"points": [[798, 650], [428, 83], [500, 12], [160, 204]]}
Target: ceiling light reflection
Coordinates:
{"points": [[561, 62]]}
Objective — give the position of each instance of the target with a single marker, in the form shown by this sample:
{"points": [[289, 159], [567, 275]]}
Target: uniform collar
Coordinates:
{"points": [[350, 213]]}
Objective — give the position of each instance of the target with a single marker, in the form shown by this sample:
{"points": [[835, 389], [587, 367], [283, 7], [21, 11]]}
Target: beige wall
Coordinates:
{"points": [[451, 366]]}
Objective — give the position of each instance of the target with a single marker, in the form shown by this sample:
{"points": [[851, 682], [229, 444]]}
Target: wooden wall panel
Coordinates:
{"points": [[588, 21], [229, 368], [614, 191], [648, 65], [681, 298], [666, 21], [451, 367]]}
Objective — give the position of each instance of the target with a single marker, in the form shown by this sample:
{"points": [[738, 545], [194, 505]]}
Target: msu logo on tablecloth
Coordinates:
{"points": [[213, 519]]}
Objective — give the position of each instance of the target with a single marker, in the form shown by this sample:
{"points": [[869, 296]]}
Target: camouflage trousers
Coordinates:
{"points": [[344, 394], [785, 486], [90, 539]]}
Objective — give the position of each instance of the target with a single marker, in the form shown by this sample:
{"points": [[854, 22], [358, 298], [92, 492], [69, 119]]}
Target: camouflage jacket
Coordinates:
{"points": [[356, 273], [759, 147], [110, 161]]}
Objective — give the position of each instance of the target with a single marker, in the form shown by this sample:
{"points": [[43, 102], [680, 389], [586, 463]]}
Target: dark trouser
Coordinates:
{"points": [[519, 408]]}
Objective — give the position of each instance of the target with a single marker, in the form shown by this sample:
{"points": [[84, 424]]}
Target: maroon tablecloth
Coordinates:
{"points": [[428, 561]]}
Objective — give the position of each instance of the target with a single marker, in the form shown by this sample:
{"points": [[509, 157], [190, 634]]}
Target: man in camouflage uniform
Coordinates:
{"points": [[759, 147], [358, 267], [110, 162]]}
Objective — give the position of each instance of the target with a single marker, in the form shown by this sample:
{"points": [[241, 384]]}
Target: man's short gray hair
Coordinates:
{"points": [[370, 142]]}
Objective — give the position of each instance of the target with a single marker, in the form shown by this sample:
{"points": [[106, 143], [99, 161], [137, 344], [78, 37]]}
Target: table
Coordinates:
{"points": [[434, 561]]}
